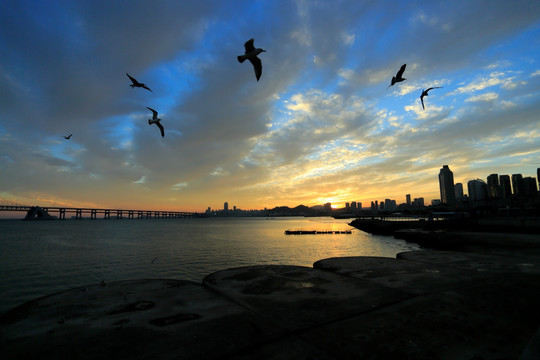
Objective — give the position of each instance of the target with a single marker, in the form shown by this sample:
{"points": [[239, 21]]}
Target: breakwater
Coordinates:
{"points": [[389, 225], [316, 232], [493, 235]]}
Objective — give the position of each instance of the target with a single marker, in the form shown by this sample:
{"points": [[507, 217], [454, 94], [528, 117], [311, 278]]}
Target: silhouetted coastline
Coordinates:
{"points": [[462, 234], [389, 225]]}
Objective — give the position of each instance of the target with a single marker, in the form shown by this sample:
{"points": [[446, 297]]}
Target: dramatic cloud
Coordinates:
{"points": [[321, 124]]}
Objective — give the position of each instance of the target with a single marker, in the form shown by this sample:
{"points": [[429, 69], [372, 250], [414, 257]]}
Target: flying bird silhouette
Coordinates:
{"points": [[68, 137], [156, 121], [135, 83], [251, 55], [399, 76], [425, 93]]}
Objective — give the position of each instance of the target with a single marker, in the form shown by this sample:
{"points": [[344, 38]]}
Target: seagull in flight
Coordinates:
{"points": [[399, 76], [135, 83], [156, 120], [425, 93], [68, 137], [251, 55]]}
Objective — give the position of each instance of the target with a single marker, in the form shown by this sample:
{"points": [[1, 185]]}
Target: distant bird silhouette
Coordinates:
{"points": [[135, 83], [425, 93], [251, 55], [399, 76], [68, 137], [156, 121]]}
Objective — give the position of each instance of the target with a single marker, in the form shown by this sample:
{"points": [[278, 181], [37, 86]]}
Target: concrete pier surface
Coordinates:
{"points": [[427, 304]]}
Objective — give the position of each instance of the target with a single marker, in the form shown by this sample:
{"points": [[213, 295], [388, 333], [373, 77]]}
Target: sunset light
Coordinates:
{"points": [[321, 124], [269, 179]]}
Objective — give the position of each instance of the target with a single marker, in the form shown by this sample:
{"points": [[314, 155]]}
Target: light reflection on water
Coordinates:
{"points": [[41, 257]]}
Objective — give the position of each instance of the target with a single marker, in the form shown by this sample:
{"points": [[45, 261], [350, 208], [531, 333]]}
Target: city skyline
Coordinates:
{"points": [[321, 125], [505, 189], [408, 200]]}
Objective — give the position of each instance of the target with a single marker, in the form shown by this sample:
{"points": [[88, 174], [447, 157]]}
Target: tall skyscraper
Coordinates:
{"points": [[477, 190], [493, 188], [226, 206], [506, 188], [446, 185], [390, 205], [408, 197], [518, 185], [458, 192], [529, 186]]}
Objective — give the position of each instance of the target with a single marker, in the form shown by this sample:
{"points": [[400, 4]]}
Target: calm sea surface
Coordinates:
{"points": [[42, 257]]}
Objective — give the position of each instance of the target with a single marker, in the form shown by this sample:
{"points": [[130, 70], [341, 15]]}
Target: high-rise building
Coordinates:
{"points": [[477, 190], [446, 185], [390, 205], [226, 206], [408, 199], [493, 188], [328, 207], [517, 185], [353, 205], [538, 176], [418, 202], [529, 186], [505, 187], [458, 192]]}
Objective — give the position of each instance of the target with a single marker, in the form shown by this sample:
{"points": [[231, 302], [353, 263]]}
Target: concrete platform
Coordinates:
{"points": [[420, 305]]}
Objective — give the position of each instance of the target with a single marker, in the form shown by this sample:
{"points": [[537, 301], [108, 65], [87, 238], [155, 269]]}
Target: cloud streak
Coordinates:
{"points": [[320, 125]]}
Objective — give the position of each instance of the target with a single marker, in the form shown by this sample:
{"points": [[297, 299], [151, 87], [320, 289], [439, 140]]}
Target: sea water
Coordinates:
{"points": [[38, 258]]}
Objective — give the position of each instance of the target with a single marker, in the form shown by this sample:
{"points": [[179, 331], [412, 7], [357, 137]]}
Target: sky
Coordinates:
{"points": [[322, 124]]}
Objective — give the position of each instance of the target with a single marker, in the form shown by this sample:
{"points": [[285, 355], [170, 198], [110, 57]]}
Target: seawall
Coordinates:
{"points": [[514, 225], [420, 305], [489, 235]]}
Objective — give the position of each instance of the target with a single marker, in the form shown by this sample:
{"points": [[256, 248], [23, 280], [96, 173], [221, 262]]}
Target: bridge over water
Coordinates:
{"points": [[45, 212]]}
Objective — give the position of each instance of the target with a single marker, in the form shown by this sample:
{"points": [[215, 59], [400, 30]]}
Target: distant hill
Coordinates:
{"points": [[300, 210]]}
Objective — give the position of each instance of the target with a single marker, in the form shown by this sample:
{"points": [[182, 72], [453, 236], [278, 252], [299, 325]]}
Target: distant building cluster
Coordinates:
{"points": [[234, 211], [499, 191], [392, 205]]}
